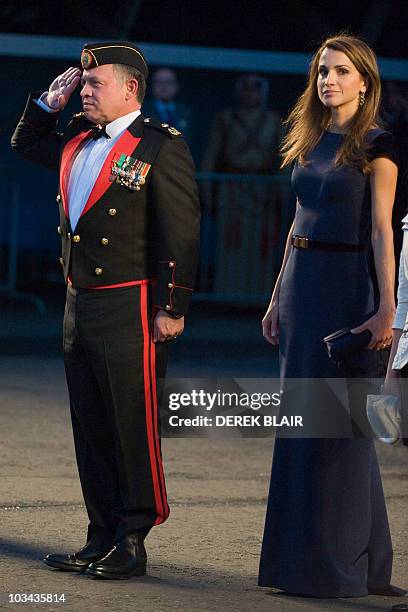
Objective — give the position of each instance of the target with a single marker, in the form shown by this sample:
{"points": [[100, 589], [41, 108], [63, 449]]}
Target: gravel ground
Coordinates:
{"points": [[204, 557]]}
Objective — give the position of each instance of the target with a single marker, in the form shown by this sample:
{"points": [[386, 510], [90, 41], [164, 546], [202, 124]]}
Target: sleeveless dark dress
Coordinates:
{"points": [[326, 531]]}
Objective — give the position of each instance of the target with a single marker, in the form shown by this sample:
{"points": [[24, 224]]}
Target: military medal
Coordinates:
{"points": [[129, 171]]}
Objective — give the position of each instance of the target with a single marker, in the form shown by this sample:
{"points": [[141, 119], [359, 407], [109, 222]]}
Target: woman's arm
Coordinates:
{"points": [[383, 181], [288, 248], [270, 323]]}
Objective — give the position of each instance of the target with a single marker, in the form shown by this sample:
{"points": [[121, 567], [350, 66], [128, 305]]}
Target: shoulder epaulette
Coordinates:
{"points": [[167, 129], [79, 118]]}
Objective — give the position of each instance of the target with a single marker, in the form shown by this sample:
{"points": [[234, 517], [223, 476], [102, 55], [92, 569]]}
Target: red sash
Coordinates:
{"points": [[126, 144]]}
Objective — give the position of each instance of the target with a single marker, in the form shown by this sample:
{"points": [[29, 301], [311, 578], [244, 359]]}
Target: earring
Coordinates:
{"points": [[362, 98]]}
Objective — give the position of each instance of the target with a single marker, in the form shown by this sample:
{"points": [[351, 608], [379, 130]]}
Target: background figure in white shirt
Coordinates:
{"points": [[397, 373]]}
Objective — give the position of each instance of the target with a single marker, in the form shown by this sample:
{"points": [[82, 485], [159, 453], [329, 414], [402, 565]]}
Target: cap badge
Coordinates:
{"points": [[86, 59]]}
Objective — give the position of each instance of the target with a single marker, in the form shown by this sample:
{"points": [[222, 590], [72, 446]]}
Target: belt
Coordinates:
{"points": [[302, 242], [144, 281]]}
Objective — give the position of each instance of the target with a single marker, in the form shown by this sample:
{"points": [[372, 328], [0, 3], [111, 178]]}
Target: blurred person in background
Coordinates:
{"points": [[395, 116], [165, 105], [395, 113], [242, 215], [397, 372]]}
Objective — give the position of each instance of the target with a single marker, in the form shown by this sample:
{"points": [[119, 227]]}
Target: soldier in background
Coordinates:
{"points": [[164, 103], [243, 140]]}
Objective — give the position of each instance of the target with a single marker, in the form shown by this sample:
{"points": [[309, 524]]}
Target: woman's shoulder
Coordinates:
{"points": [[377, 133], [381, 143]]}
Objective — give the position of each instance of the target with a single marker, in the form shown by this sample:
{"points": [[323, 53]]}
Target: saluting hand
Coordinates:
{"points": [[61, 88]]}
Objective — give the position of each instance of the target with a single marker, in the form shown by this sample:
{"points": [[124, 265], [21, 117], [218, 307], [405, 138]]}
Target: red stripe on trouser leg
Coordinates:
{"points": [[148, 406], [156, 428]]}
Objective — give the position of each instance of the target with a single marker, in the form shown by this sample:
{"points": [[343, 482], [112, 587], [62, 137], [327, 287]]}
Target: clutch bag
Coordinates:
{"points": [[341, 344], [383, 413]]}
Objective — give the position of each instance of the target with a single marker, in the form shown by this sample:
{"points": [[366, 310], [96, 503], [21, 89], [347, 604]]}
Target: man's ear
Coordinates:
{"points": [[132, 87]]}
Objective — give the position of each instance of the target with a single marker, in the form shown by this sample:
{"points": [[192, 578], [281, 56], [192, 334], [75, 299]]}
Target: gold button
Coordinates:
{"points": [[98, 271], [104, 241], [59, 230], [62, 261], [58, 198], [147, 120], [69, 235], [168, 307], [76, 238], [171, 264], [170, 285], [112, 212]]}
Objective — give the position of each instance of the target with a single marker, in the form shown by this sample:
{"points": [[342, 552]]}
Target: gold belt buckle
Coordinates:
{"points": [[301, 242]]}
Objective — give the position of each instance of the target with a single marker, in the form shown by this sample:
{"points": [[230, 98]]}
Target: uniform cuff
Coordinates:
{"points": [[43, 105], [171, 294], [37, 116]]}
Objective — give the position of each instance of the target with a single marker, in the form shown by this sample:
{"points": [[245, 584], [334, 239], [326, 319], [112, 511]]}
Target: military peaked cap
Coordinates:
{"points": [[116, 52]]}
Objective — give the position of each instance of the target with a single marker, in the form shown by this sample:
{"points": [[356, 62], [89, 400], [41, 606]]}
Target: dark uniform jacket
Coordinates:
{"points": [[123, 235]]}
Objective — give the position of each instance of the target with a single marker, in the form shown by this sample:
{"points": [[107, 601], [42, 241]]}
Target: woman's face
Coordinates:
{"points": [[339, 82]]}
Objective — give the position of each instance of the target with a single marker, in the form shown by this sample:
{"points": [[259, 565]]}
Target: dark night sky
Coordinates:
{"points": [[263, 24]]}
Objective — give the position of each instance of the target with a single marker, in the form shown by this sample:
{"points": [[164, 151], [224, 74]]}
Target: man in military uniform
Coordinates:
{"points": [[129, 223]]}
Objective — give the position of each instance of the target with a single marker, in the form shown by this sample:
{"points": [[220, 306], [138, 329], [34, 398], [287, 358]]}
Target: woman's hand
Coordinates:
{"points": [[392, 383], [270, 324], [380, 326]]}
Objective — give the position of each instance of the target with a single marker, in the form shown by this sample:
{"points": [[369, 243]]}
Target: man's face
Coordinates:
{"points": [[165, 85], [104, 97], [250, 93]]}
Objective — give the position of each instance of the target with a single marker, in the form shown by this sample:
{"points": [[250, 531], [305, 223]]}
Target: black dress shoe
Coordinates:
{"points": [[126, 559], [79, 561], [387, 591]]}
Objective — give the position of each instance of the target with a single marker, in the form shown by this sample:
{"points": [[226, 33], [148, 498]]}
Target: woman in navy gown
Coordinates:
{"points": [[326, 531]]}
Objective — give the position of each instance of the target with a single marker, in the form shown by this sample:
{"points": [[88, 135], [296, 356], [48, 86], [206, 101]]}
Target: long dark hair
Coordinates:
{"points": [[309, 117]]}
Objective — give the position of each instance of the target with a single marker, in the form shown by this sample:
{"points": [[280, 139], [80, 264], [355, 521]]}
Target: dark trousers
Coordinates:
{"points": [[112, 368], [404, 403]]}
